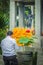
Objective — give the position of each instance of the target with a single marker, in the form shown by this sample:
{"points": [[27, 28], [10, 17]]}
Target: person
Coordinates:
{"points": [[9, 47]]}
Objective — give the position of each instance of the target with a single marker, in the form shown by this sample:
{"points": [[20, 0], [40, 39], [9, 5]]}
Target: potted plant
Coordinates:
{"points": [[23, 36], [26, 42], [25, 39]]}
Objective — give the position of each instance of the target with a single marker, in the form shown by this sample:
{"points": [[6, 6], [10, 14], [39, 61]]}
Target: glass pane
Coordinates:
{"points": [[28, 16], [28, 12]]}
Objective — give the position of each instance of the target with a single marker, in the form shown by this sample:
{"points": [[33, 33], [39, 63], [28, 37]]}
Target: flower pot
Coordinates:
{"points": [[25, 58]]}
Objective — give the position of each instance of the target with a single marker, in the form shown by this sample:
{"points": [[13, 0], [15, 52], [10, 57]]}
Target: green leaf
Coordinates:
{"points": [[26, 41], [23, 40]]}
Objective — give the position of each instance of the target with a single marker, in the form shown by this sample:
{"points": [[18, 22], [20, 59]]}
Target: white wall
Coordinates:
{"points": [[12, 15], [37, 21]]}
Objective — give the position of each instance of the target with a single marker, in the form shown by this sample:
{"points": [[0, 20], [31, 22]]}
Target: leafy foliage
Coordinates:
{"points": [[2, 34], [4, 5], [4, 11], [26, 41], [2, 23], [4, 17]]}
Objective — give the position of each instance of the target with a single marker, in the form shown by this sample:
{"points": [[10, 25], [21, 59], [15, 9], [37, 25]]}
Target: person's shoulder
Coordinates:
{"points": [[2, 40], [13, 39]]}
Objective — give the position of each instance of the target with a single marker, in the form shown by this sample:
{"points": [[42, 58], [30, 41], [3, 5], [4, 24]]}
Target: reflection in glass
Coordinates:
{"points": [[28, 16]]}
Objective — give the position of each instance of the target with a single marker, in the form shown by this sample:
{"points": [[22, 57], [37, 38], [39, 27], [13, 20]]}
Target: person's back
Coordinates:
{"points": [[9, 47]]}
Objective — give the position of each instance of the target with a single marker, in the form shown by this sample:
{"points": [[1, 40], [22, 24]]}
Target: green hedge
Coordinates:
{"points": [[0, 51], [2, 34]]}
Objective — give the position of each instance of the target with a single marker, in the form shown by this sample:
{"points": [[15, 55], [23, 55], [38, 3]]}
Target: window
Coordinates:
{"points": [[28, 13]]}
